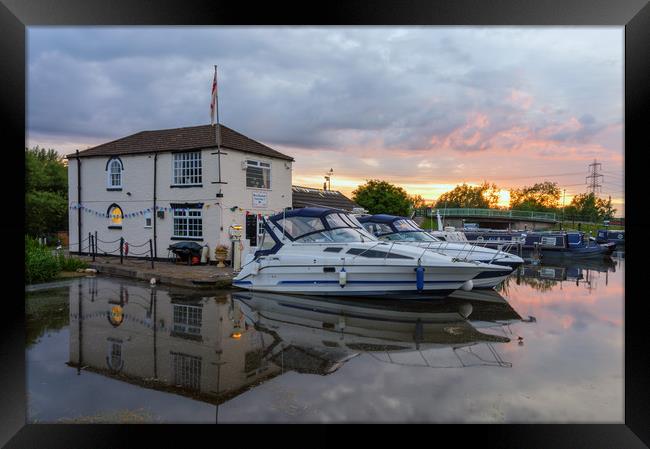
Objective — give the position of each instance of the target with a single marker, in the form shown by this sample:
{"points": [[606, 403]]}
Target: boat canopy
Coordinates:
{"points": [[389, 226], [318, 225]]}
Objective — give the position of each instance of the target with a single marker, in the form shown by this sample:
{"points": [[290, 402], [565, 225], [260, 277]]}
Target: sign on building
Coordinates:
{"points": [[260, 200]]}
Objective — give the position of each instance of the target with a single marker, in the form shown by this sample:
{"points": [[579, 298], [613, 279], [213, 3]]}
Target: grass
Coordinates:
{"points": [[42, 264]]}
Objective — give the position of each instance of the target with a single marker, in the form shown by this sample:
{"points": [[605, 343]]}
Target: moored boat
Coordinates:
{"points": [[328, 252], [404, 231]]}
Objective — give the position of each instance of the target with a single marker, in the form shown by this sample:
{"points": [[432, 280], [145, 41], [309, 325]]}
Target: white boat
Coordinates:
{"points": [[405, 231], [319, 251]]}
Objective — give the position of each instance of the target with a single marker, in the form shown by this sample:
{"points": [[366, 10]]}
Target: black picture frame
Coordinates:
{"points": [[634, 15]]}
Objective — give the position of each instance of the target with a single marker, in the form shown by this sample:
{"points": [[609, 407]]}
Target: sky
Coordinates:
{"points": [[425, 108]]}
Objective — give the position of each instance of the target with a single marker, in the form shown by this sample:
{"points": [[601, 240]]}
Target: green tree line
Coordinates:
{"points": [[379, 196], [46, 192]]}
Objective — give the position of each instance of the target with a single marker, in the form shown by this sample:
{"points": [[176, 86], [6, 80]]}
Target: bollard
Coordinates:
{"points": [[151, 251], [121, 249]]}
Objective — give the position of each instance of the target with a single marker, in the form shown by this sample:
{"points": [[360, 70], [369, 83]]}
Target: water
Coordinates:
{"points": [[546, 348]]}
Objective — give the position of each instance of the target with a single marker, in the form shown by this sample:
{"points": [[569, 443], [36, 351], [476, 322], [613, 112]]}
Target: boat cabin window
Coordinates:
{"points": [[377, 228], [267, 241], [406, 225], [412, 236], [297, 226], [336, 235]]}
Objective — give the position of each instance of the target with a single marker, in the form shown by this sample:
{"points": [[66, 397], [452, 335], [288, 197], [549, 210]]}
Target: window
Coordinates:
{"points": [[297, 226], [377, 228], [115, 215], [114, 174], [188, 223], [258, 174], [114, 359], [187, 169], [147, 219], [266, 242], [187, 319], [186, 370]]}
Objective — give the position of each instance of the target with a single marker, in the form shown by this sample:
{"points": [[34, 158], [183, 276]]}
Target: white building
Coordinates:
{"points": [[172, 185]]}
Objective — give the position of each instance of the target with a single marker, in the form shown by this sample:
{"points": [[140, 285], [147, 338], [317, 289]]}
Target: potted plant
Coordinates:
{"points": [[220, 253]]}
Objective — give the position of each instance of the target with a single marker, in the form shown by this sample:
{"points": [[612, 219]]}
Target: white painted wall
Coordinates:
{"points": [[137, 194]]}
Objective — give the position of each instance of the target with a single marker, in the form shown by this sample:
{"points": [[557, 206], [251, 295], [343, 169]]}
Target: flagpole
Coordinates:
{"points": [[216, 77]]}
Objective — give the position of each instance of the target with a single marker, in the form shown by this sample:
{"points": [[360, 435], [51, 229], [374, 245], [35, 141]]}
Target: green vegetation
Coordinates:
{"points": [[484, 196], [42, 264], [46, 192], [541, 197], [381, 197]]}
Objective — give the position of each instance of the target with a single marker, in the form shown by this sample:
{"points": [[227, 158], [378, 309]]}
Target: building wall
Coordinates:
{"points": [[137, 195]]}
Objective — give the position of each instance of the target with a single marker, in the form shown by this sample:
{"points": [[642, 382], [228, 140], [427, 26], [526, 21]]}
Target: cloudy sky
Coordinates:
{"points": [[422, 107]]}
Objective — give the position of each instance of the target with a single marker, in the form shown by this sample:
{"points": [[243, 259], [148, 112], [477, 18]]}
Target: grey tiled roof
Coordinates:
{"points": [[309, 197], [179, 139]]}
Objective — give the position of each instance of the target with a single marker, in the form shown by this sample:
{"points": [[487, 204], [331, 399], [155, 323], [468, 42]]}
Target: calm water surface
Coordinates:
{"points": [[546, 348]]}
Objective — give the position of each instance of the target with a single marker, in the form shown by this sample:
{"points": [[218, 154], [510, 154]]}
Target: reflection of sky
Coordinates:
{"points": [[569, 369]]}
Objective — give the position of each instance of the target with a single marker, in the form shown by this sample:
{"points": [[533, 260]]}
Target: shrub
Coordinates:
{"points": [[70, 263], [40, 264]]}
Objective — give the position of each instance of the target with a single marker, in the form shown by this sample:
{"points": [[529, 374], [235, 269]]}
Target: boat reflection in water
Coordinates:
{"points": [[546, 274], [214, 348]]}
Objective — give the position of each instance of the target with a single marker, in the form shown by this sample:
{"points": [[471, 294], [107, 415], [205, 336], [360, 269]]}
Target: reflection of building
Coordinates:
{"points": [[191, 344], [213, 348]]}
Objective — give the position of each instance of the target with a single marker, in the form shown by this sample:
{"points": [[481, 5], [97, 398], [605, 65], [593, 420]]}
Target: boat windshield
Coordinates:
{"points": [[294, 227], [338, 235], [406, 225], [411, 236], [311, 229]]}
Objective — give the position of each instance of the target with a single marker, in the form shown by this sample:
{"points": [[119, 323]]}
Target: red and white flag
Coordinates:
{"points": [[213, 102]]}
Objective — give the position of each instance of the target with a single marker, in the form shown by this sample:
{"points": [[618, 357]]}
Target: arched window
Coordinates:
{"points": [[114, 174], [115, 215]]}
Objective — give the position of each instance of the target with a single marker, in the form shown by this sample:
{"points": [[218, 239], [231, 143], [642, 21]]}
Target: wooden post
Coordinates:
{"points": [[95, 242], [90, 239], [94, 247], [121, 249], [151, 251]]}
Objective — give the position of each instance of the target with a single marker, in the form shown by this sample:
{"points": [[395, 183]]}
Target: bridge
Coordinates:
{"points": [[491, 218]]}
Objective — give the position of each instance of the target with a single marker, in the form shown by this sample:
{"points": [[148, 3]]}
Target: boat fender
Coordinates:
{"points": [[467, 285], [419, 278], [343, 277]]}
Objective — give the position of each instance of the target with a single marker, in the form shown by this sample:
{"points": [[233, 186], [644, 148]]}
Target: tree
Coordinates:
{"points": [[543, 196], [484, 196], [381, 197], [587, 207], [417, 201], [46, 191]]}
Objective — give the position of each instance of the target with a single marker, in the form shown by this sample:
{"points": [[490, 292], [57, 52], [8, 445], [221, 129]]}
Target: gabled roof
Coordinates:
{"points": [[181, 139], [309, 197]]}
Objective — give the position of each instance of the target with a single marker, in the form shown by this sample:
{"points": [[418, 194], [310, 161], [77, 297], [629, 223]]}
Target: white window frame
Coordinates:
{"points": [[109, 174], [187, 169], [185, 213], [187, 319], [262, 165], [148, 216]]}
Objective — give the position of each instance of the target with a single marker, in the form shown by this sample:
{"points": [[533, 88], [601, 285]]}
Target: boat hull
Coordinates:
{"points": [[370, 281]]}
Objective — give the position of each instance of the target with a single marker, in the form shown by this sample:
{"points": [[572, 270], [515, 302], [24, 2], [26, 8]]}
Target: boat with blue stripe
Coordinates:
{"points": [[328, 252]]}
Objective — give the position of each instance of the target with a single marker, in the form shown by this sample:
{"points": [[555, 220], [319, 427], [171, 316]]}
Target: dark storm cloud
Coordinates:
{"points": [[328, 87]]}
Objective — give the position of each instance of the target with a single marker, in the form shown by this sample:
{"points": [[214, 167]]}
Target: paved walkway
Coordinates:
{"points": [[165, 272]]}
